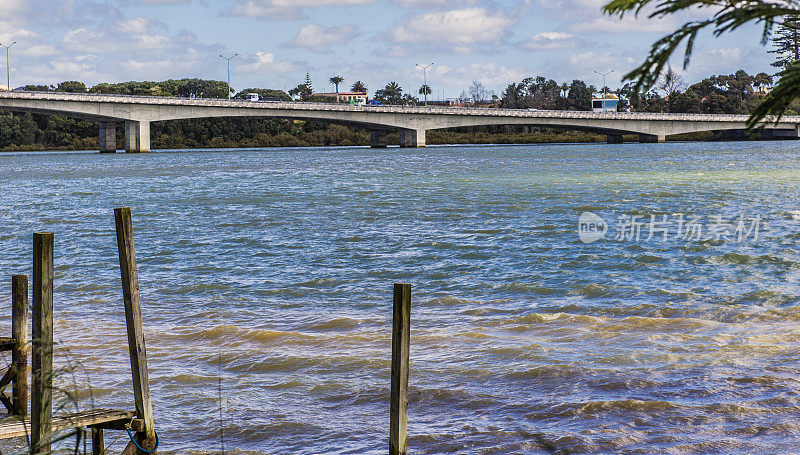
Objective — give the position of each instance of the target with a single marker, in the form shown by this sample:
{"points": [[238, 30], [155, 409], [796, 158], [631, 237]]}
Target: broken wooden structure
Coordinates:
{"points": [[42, 428]]}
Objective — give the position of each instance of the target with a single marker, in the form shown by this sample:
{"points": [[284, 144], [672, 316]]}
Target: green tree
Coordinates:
{"points": [[391, 94], [359, 86], [336, 80], [425, 90], [579, 97], [786, 43], [71, 87], [726, 16], [264, 93], [38, 88], [302, 91]]}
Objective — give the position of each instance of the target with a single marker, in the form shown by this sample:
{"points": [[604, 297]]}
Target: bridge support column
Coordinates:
{"points": [[412, 138], [782, 134], [614, 139], [377, 139], [137, 136], [652, 138], [108, 137]]}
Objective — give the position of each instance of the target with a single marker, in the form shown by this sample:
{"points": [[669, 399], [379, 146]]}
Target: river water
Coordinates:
{"points": [[266, 278]]}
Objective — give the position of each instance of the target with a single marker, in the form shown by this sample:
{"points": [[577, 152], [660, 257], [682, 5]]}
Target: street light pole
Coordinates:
{"points": [[229, 71], [425, 76], [604, 82], [8, 68]]}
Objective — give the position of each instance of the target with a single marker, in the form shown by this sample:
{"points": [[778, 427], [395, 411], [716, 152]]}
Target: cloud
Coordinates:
{"points": [[319, 39], [433, 3], [551, 41], [264, 63], [492, 75], [461, 30], [164, 2], [629, 24], [285, 9]]}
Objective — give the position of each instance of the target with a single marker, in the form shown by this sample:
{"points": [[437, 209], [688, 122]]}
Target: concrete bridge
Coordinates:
{"points": [[412, 122]]}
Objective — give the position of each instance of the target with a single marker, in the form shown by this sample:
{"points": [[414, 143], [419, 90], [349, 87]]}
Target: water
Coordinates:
{"points": [[280, 262]]}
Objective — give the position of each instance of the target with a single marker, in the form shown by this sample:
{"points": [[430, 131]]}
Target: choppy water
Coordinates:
{"points": [[524, 339]]}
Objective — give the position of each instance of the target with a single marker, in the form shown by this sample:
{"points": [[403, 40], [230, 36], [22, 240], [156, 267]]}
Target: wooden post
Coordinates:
{"points": [[42, 356], [401, 334], [133, 318], [98, 445], [19, 331]]}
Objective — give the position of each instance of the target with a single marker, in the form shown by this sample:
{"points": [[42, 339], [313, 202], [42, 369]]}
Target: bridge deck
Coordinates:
{"points": [[340, 107]]}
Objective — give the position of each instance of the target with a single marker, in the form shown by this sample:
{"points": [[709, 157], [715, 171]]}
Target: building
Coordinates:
{"points": [[605, 103], [346, 97]]}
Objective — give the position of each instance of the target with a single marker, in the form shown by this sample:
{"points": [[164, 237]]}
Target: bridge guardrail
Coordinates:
{"points": [[436, 110]]}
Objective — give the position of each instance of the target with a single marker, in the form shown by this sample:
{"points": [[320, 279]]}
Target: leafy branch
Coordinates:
{"points": [[729, 16]]}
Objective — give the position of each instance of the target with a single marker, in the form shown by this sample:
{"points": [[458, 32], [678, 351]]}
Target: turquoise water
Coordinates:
{"points": [[272, 270]]}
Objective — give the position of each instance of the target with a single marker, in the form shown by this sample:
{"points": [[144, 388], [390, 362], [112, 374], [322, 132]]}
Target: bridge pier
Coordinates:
{"points": [[782, 134], [652, 138], [108, 137], [137, 136], [377, 139], [614, 139], [412, 138]]}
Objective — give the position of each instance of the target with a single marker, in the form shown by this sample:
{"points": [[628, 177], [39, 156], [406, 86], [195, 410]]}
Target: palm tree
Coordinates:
{"points": [[359, 86], [336, 80], [425, 90]]}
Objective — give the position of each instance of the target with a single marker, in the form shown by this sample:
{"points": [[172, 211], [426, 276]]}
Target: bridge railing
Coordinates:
{"points": [[435, 110]]}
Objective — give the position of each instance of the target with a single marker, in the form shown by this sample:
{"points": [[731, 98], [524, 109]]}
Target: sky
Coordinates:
{"points": [[375, 41]]}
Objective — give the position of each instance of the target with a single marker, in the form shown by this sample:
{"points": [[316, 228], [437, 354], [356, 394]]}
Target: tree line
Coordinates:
{"points": [[737, 93]]}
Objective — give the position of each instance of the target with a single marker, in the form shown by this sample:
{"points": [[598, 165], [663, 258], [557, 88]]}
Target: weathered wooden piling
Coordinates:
{"points": [[98, 444], [42, 331], [401, 334], [19, 354], [133, 318]]}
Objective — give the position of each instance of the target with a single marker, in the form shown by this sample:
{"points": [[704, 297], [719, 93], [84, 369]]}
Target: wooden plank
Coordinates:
{"points": [[98, 444], [15, 427], [42, 355], [7, 378], [19, 336], [6, 402], [7, 343], [136, 425], [401, 334], [133, 318]]}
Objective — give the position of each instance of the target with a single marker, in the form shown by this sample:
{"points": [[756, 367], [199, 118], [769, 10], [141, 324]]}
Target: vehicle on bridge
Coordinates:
{"points": [[253, 97]]}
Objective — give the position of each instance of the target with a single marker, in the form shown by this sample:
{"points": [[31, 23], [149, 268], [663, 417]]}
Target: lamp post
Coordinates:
{"points": [[425, 76], [604, 81], [229, 71], [8, 68]]}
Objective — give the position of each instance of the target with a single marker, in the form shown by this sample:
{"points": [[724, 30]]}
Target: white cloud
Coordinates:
{"points": [[492, 75], [461, 29], [551, 41], [164, 2], [629, 24], [319, 39], [264, 63], [433, 3], [285, 9]]}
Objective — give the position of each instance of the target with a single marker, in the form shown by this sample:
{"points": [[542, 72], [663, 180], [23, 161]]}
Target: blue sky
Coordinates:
{"points": [[376, 41]]}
